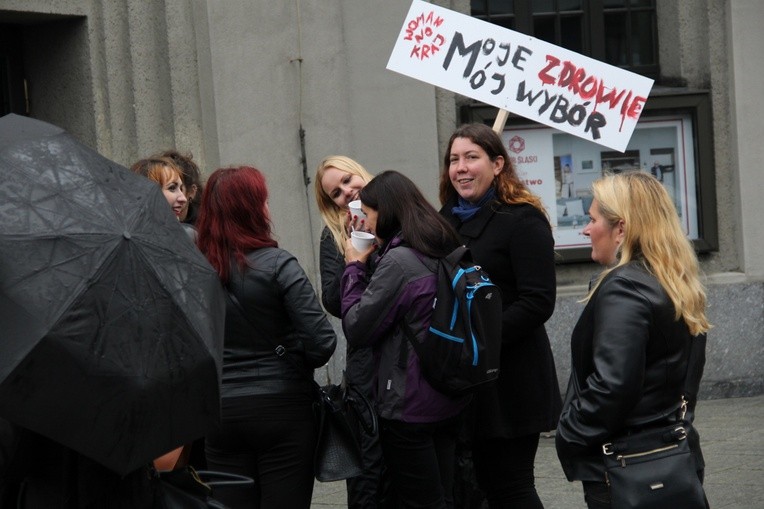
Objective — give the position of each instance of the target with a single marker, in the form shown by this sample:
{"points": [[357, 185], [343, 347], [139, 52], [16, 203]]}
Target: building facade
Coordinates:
{"points": [[280, 85]]}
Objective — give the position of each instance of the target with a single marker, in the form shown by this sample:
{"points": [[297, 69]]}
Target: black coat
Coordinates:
{"points": [[629, 361], [281, 309], [359, 361], [332, 265], [514, 244]]}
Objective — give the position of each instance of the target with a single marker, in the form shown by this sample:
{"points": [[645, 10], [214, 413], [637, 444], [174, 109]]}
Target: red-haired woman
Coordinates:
{"points": [[267, 429], [170, 176]]}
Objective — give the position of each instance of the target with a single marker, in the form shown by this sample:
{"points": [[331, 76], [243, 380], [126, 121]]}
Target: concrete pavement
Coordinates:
{"points": [[731, 433]]}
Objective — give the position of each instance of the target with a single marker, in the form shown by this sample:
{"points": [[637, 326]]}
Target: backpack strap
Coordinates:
{"points": [[455, 256]]}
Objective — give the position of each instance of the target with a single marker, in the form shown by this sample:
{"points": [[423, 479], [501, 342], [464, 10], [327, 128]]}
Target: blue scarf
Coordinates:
{"points": [[465, 210]]}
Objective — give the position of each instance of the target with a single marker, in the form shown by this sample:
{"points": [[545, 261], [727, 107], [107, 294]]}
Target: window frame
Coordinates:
{"points": [[593, 30]]}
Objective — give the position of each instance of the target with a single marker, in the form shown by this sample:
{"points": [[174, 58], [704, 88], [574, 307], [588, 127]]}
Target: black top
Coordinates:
{"points": [[332, 265], [282, 309]]}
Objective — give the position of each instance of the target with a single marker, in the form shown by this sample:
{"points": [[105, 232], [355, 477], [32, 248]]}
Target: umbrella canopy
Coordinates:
{"points": [[111, 321]]}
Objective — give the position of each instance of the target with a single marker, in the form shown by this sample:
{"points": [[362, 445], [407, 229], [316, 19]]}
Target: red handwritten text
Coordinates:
{"points": [[421, 30], [588, 87]]}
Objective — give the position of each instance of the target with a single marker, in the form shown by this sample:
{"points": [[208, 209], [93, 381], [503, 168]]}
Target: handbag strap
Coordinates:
{"points": [[691, 379], [357, 401], [690, 383], [218, 479], [695, 364]]}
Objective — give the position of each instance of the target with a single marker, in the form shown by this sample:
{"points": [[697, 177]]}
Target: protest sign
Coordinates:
{"points": [[518, 73]]}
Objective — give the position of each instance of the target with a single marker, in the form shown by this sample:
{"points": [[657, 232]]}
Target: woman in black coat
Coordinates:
{"points": [[641, 333], [506, 228]]}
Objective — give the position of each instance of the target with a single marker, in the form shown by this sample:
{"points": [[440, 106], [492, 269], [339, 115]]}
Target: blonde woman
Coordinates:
{"points": [[631, 345], [339, 180]]}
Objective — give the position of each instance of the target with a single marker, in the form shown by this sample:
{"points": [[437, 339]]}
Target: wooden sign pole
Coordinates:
{"points": [[501, 121]]}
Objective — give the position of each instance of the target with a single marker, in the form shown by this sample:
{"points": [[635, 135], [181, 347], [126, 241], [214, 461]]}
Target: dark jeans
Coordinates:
{"points": [[271, 441], [420, 458], [504, 470]]}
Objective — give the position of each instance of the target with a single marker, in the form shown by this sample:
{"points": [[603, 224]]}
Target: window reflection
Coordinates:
{"points": [[615, 39], [477, 7], [570, 5], [543, 28], [541, 6], [572, 29], [642, 48], [501, 6]]}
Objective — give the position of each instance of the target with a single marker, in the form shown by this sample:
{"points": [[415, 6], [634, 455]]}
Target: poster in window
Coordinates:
{"points": [[662, 146]]}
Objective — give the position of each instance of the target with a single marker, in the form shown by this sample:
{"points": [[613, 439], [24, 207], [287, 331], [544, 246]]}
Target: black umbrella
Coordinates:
{"points": [[111, 321]]}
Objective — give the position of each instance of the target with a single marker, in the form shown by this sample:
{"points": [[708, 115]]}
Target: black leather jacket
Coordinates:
{"points": [[332, 264], [629, 361], [281, 309]]}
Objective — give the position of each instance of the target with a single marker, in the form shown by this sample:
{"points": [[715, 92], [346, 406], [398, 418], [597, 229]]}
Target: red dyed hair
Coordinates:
{"points": [[233, 218]]}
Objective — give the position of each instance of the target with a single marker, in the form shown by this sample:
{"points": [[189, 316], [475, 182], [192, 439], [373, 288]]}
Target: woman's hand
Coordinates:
{"points": [[353, 255], [353, 223]]}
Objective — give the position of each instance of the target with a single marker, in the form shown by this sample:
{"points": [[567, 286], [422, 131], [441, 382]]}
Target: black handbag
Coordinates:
{"points": [[342, 412], [185, 488], [653, 469]]}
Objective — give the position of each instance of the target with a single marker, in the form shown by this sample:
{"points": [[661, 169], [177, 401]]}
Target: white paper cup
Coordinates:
{"points": [[361, 240], [355, 209]]}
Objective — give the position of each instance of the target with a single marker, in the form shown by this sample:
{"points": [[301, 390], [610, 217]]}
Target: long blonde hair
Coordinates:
{"points": [[333, 215], [652, 231]]}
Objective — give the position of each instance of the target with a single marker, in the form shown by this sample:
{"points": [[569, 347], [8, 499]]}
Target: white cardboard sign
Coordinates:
{"points": [[518, 73]]}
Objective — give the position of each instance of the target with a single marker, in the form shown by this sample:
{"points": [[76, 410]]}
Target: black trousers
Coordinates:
{"points": [[372, 489], [271, 440], [420, 458], [504, 470]]}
